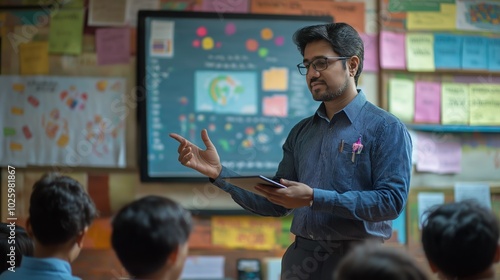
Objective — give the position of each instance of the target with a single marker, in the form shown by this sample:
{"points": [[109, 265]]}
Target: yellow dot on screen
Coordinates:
{"points": [[207, 43], [266, 34]]}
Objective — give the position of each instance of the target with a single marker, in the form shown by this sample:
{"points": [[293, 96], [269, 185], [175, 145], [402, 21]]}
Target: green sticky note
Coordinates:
{"points": [[9, 131], [454, 103], [484, 103], [402, 99], [66, 31], [420, 52]]}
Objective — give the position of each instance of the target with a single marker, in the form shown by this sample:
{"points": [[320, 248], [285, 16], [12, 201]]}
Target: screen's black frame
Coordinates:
{"points": [[140, 89]]}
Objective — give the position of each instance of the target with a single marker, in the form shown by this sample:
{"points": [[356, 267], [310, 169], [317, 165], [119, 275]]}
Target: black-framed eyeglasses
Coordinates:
{"points": [[319, 64]]}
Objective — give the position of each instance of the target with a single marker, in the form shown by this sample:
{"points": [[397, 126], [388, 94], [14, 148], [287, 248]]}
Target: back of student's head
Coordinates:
{"points": [[376, 262], [12, 235], [461, 238], [147, 232], [60, 209]]}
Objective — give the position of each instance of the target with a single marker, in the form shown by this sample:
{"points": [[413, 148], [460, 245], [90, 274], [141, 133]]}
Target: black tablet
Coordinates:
{"points": [[249, 182]]}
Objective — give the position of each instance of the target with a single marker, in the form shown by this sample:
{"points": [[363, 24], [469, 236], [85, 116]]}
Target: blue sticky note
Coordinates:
{"points": [[475, 53], [448, 51], [494, 54]]}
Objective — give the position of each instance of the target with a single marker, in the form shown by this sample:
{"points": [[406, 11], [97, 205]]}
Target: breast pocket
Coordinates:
{"points": [[347, 165]]}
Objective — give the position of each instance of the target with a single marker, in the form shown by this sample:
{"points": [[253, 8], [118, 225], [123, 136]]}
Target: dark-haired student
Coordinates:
{"points": [[14, 244], [376, 262], [460, 241], [60, 213], [150, 237], [347, 168]]}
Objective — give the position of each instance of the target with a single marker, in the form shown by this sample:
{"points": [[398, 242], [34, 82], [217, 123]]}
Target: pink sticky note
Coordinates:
{"points": [[112, 45], [438, 156], [427, 102], [370, 62], [275, 106], [218, 6], [392, 50]]}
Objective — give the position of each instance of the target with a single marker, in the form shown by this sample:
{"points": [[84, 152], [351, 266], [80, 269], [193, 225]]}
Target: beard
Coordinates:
{"points": [[329, 94]]}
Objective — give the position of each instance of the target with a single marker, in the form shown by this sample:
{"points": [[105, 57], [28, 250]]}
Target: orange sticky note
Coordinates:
{"points": [[16, 146], [17, 111]]}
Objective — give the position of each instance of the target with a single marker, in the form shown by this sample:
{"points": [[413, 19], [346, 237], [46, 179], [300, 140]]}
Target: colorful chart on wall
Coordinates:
{"points": [[478, 15], [62, 121], [232, 74]]}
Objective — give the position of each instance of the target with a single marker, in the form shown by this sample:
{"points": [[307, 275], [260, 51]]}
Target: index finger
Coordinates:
{"points": [[177, 137]]}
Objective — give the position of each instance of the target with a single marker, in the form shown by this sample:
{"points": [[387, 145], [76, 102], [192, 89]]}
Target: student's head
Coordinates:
{"points": [[339, 39], [150, 237], [461, 239], [60, 213], [12, 235], [376, 262]]}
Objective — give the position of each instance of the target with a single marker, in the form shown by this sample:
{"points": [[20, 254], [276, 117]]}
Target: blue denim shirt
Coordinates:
{"points": [[354, 197]]}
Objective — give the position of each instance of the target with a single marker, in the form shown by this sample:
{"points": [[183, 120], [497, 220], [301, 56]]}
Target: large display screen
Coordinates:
{"points": [[232, 74]]}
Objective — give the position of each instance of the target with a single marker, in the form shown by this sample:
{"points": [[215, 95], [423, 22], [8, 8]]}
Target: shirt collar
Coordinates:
{"points": [[352, 109]]}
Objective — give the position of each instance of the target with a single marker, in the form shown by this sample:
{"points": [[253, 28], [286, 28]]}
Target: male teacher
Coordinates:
{"points": [[347, 168]]}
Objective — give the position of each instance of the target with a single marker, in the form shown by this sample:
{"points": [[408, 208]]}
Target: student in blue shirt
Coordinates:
{"points": [[347, 167], [59, 216], [13, 236]]}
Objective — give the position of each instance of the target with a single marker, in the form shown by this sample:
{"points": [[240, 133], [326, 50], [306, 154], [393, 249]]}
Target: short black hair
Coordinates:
{"points": [[343, 38], [460, 238], [377, 262], [23, 245], [147, 231], [60, 209]]}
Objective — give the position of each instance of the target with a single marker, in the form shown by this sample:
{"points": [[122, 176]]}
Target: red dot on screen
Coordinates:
{"points": [[201, 31]]}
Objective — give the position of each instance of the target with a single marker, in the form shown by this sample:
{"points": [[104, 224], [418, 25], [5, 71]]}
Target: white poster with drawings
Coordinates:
{"points": [[70, 121]]}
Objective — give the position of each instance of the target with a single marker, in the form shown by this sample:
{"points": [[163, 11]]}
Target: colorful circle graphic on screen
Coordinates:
{"points": [[230, 28], [201, 31], [279, 41], [252, 45], [207, 43], [263, 52], [222, 88], [196, 43], [266, 34]]}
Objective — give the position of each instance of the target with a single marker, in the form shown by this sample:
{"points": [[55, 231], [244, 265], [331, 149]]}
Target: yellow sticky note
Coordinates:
{"points": [[454, 103], [442, 20], [275, 79], [34, 58], [402, 99], [484, 104], [244, 232], [420, 52]]}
